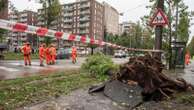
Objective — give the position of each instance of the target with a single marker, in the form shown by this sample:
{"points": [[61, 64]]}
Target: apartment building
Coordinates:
{"points": [[26, 17], [126, 27], [83, 17], [111, 19], [4, 12]]}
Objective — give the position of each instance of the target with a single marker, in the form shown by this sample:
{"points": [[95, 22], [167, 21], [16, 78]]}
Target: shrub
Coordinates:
{"points": [[98, 65]]}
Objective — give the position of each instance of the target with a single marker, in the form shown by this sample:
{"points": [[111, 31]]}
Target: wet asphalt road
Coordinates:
{"points": [[187, 73], [16, 69], [77, 100]]}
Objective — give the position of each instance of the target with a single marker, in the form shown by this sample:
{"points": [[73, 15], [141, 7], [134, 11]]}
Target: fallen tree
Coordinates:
{"points": [[146, 71]]}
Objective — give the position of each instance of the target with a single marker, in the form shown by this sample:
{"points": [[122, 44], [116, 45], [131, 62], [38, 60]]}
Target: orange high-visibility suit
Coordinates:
{"points": [[41, 54], [187, 58], [26, 50], [48, 56], [53, 53], [74, 54]]}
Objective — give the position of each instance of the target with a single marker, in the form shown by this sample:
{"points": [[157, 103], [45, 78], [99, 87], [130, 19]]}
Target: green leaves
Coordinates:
{"points": [[139, 36], [190, 47], [184, 23], [52, 13], [52, 10], [98, 65]]}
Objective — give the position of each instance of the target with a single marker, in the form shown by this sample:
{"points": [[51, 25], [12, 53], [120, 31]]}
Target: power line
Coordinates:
{"points": [[138, 6]]}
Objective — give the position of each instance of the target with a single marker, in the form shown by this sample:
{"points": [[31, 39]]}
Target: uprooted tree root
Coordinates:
{"points": [[147, 72]]}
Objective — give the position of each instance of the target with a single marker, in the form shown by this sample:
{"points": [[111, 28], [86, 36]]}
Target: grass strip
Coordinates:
{"points": [[20, 92]]}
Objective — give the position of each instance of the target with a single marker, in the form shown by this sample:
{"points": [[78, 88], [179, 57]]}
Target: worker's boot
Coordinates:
{"points": [[41, 65]]}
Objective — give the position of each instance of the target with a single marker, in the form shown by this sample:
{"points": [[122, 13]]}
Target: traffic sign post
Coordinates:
{"points": [[159, 19], [157, 22]]}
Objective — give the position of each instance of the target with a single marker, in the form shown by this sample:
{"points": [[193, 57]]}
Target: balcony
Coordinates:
{"points": [[85, 5], [67, 20], [23, 38], [23, 34], [84, 1], [85, 12], [23, 20], [13, 34], [84, 19], [70, 8], [40, 18], [84, 31], [67, 14], [67, 26], [14, 20], [40, 23], [24, 15], [84, 25], [53, 28], [14, 38], [13, 17]]}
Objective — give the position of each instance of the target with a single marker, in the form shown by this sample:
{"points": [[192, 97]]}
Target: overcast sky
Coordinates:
{"points": [[133, 9]]}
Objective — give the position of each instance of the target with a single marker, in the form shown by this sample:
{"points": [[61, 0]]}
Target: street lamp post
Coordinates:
{"points": [[176, 34], [170, 33]]}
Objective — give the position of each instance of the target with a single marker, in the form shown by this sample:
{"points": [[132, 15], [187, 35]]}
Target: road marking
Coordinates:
{"points": [[8, 69]]}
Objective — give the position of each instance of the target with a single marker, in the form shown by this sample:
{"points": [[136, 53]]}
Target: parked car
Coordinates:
{"points": [[63, 53], [120, 54]]}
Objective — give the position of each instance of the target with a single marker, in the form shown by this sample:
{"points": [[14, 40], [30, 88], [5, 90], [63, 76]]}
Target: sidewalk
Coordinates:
{"points": [[187, 73]]}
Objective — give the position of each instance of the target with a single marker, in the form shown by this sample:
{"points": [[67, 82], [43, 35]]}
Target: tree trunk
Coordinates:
{"points": [[92, 51], [159, 31]]}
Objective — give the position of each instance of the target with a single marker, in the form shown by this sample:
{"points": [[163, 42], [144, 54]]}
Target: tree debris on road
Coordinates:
{"points": [[146, 72]]}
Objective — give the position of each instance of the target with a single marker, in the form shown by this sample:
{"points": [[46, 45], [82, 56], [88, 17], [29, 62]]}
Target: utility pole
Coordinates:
{"points": [[159, 31]]}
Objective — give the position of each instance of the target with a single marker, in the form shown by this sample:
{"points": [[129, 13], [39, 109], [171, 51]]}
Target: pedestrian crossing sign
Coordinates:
{"points": [[159, 19]]}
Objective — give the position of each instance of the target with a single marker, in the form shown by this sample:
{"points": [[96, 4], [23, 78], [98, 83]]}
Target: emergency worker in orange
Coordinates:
{"points": [[42, 54], [53, 54], [26, 50], [74, 54], [48, 56], [187, 58]]}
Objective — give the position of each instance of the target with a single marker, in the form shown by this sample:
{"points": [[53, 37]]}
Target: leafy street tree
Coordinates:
{"points": [[184, 23], [138, 37], [190, 47], [52, 9]]}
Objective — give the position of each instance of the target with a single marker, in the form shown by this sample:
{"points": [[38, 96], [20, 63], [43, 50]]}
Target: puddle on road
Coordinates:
{"points": [[187, 74]]}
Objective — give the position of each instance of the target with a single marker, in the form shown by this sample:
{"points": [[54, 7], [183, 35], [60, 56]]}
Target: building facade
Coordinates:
{"points": [[4, 11], [25, 17], [111, 19], [83, 17], [126, 27]]}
